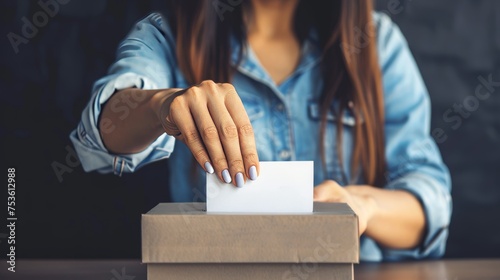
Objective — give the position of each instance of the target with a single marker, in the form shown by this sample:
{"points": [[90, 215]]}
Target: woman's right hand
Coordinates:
{"points": [[211, 120]]}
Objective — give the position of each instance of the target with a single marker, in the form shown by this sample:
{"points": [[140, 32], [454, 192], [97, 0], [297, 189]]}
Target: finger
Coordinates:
{"points": [[245, 135], [329, 191], [228, 134], [210, 136], [190, 136], [229, 138], [318, 193]]}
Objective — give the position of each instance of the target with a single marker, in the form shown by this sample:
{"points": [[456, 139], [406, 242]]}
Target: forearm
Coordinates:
{"points": [[129, 122], [398, 219]]}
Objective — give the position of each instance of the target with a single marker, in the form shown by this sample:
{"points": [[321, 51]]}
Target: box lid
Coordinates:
{"points": [[186, 233]]}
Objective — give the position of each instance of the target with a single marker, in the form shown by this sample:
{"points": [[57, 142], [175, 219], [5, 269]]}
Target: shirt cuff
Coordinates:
{"points": [[87, 140]]}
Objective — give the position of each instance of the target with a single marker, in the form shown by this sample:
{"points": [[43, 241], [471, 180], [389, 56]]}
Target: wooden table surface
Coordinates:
{"points": [[134, 270], [442, 269]]}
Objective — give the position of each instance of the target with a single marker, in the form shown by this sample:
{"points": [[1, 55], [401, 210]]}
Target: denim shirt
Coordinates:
{"points": [[286, 123]]}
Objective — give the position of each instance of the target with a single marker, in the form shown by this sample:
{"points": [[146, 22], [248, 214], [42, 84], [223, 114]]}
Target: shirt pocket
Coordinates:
{"points": [[333, 168]]}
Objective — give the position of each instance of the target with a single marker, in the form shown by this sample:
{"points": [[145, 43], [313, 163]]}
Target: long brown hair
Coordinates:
{"points": [[350, 68]]}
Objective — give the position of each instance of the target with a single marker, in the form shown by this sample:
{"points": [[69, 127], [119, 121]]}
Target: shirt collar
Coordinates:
{"points": [[249, 63]]}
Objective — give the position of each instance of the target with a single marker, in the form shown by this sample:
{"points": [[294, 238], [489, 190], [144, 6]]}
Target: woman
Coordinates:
{"points": [[235, 83]]}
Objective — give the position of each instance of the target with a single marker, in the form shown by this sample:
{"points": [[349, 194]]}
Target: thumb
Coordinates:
{"points": [[319, 192]]}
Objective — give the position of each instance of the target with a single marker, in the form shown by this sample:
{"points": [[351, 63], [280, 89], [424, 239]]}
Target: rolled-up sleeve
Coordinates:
{"points": [[144, 60], [413, 159]]}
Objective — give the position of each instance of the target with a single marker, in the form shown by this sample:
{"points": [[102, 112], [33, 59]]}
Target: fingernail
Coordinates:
{"points": [[226, 176], [253, 173], [239, 180], [209, 168]]}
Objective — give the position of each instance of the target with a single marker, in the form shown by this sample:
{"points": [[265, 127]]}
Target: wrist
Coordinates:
{"points": [[366, 199], [160, 103]]}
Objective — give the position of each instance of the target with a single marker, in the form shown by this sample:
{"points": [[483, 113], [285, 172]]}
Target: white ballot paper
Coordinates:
{"points": [[282, 187]]}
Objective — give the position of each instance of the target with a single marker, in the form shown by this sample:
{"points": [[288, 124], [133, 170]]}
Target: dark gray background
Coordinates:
{"points": [[45, 86]]}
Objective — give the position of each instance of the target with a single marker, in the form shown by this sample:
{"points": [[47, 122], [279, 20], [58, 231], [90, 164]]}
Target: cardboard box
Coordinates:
{"points": [[183, 241]]}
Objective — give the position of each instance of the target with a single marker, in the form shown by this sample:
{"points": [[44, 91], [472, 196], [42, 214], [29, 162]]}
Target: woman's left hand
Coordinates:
{"points": [[364, 206]]}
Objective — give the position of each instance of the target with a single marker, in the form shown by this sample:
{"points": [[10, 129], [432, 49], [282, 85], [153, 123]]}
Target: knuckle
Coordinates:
{"points": [[229, 131], [209, 86], [192, 137], [207, 83], [236, 164], [199, 154], [250, 157], [246, 130], [221, 162], [193, 92], [177, 102], [177, 105], [210, 133], [228, 88]]}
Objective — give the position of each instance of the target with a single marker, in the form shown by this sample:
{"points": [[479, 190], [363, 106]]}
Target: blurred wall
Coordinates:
{"points": [[70, 213], [63, 211]]}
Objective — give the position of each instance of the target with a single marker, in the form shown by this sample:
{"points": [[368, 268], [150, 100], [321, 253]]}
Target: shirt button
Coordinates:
{"points": [[285, 154], [280, 107]]}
